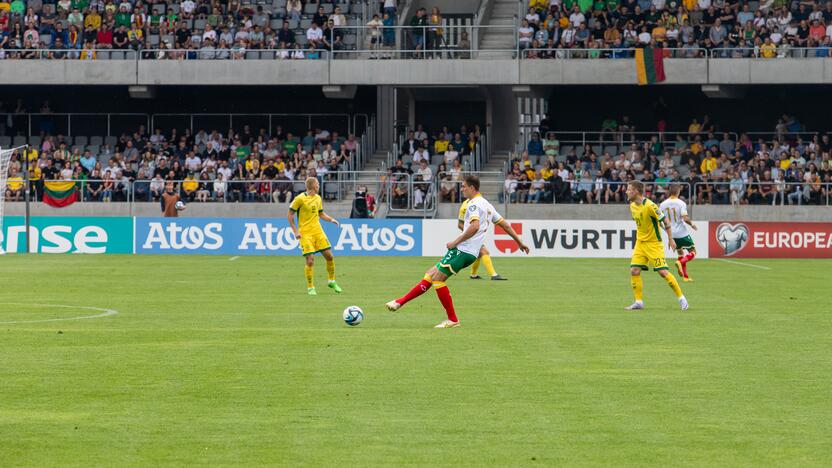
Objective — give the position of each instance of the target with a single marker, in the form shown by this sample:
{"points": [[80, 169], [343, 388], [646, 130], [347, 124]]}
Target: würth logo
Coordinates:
{"points": [[507, 245]]}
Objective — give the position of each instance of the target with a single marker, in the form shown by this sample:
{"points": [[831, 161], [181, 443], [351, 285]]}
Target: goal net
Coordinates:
{"points": [[5, 163]]}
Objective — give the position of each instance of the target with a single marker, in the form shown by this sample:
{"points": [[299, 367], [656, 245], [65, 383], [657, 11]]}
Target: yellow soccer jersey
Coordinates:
{"points": [[462, 209], [648, 218], [309, 210]]}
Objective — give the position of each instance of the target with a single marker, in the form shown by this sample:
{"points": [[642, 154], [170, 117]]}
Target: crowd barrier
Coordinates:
{"points": [[407, 237]]}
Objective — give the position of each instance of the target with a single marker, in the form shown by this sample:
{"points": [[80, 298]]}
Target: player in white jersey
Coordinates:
{"points": [[462, 251], [676, 211]]}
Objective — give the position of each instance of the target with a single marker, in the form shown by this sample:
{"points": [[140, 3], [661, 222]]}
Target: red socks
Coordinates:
{"points": [[684, 259], [445, 298], [417, 291]]}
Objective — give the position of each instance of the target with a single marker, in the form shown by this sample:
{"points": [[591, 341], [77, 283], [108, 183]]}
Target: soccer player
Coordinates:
{"points": [[309, 232], [484, 256], [649, 251], [676, 211], [462, 251]]}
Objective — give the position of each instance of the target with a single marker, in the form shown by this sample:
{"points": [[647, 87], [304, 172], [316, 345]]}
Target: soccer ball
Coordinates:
{"points": [[353, 315], [180, 205]]}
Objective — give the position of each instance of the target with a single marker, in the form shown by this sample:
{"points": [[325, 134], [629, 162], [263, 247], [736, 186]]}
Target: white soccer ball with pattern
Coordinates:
{"points": [[353, 315], [180, 205]]}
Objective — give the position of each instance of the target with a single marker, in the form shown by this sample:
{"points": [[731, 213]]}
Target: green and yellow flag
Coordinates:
{"points": [[650, 65]]}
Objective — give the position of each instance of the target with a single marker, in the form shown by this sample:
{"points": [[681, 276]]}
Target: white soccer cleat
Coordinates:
{"points": [[447, 324], [683, 303], [637, 305], [393, 306]]}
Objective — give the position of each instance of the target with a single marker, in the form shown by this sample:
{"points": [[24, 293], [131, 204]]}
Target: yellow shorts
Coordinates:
{"points": [[647, 255], [313, 243]]}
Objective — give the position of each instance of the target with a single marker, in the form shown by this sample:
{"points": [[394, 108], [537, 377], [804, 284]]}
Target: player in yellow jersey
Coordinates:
{"points": [[649, 251], [309, 232], [485, 255]]}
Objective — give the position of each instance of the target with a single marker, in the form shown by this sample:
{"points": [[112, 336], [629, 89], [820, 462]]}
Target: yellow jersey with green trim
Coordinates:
{"points": [[462, 208], [648, 218], [309, 210]]}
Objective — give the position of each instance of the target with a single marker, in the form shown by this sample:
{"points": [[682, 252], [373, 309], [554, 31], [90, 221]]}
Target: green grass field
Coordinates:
{"points": [[219, 362]]}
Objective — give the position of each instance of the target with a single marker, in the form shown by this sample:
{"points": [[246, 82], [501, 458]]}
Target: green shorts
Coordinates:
{"points": [[684, 243], [455, 261]]}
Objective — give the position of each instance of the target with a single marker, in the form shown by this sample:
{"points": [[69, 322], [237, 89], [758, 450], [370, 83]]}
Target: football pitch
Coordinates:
{"points": [[215, 361]]}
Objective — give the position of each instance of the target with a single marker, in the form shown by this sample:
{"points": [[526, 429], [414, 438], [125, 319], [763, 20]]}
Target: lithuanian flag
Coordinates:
{"points": [[59, 193], [650, 65]]}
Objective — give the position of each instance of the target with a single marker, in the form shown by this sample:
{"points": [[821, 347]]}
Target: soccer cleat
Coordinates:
{"points": [[334, 286], [638, 305], [683, 303], [475, 277], [498, 278], [393, 306], [687, 279], [447, 324], [679, 268], [312, 292]]}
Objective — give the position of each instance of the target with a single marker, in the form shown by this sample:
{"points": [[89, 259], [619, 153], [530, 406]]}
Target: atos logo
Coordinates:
{"points": [[507, 245], [172, 236]]}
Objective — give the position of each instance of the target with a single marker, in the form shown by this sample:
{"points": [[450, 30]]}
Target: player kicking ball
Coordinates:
{"points": [[310, 234], [676, 211], [462, 251], [649, 251], [484, 256]]}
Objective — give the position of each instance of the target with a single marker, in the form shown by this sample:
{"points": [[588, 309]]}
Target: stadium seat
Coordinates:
{"points": [[96, 140], [199, 24], [331, 190], [35, 141], [328, 8], [102, 54], [46, 39], [159, 8], [80, 141], [153, 40], [19, 141], [305, 24], [94, 149], [111, 141], [310, 8], [276, 24], [5, 141]]}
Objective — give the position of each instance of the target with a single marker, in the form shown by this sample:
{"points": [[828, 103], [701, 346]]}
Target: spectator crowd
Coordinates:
{"points": [[788, 166], [691, 28], [192, 29], [209, 165]]}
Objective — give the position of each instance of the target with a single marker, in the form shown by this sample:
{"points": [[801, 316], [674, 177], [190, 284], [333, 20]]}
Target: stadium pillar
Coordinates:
{"points": [[386, 114]]}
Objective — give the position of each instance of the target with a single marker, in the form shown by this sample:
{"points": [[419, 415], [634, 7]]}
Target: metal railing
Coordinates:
{"points": [[561, 53], [65, 123], [602, 140], [773, 192], [779, 51]]}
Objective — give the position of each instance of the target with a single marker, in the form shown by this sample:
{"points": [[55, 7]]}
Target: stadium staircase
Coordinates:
{"points": [[502, 13]]}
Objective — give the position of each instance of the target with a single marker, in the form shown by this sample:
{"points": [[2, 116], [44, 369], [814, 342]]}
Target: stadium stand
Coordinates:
{"points": [[788, 166], [687, 29], [207, 165]]}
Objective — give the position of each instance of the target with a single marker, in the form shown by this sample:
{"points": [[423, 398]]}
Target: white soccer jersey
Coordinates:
{"points": [[676, 209], [478, 208]]}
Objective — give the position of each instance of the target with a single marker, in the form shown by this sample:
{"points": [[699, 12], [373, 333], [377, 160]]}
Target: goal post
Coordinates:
{"points": [[19, 182]]}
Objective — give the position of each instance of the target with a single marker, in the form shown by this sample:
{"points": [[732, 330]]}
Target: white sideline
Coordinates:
{"points": [[743, 264], [104, 312], [233, 258]]}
